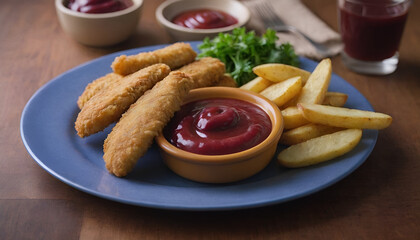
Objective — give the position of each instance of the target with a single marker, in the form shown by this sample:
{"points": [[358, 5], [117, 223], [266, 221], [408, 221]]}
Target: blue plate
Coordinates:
{"points": [[47, 130]]}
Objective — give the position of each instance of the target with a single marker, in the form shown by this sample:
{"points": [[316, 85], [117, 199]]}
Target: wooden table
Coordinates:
{"points": [[380, 200]]}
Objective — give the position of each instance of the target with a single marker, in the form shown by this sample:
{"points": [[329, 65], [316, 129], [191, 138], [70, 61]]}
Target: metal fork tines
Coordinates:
{"points": [[271, 20]]}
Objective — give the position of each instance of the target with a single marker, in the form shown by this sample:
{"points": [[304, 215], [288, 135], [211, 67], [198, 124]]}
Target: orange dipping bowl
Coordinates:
{"points": [[228, 167]]}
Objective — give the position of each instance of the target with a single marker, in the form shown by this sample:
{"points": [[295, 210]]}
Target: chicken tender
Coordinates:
{"points": [[226, 81], [175, 56], [144, 120], [96, 86], [107, 106], [205, 72]]}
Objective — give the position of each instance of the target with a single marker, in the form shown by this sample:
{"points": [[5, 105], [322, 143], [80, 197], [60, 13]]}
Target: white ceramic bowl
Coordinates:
{"points": [[99, 30], [171, 8]]}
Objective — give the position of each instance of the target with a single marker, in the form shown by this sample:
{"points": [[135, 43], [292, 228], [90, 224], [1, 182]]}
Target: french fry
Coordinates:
{"points": [[317, 126], [282, 92], [313, 92], [335, 99], [306, 132], [293, 118], [257, 84], [290, 103], [277, 72], [317, 84], [320, 149], [344, 117]]}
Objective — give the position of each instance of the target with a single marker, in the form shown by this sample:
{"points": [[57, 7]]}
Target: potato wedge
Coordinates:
{"points": [[290, 103], [278, 72], [344, 117], [257, 84], [320, 149], [335, 99], [282, 92], [306, 132], [293, 118], [317, 84]]}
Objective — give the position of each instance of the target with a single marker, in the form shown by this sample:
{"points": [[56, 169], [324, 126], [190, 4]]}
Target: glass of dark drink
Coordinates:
{"points": [[371, 31]]}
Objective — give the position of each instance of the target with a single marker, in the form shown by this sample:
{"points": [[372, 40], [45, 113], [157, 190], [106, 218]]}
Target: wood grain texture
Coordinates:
{"points": [[380, 200]]}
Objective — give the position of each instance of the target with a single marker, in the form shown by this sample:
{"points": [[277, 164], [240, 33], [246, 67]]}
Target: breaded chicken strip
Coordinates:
{"points": [[226, 81], [144, 120], [107, 106], [175, 56], [94, 87], [205, 72]]}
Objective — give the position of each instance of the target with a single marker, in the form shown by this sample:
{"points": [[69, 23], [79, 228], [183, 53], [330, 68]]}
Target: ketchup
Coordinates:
{"points": [[371, 32], [218, 126], [204, 19], [99, 6]]}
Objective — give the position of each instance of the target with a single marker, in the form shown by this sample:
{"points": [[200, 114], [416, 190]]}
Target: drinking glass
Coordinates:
{"points": [[371, 31]]}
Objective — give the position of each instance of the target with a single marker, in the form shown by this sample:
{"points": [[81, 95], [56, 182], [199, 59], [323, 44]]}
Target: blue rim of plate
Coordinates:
{"points": [[47, 131]]}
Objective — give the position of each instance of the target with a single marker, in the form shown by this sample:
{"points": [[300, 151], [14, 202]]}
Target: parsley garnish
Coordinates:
{"points": [[241, 51]]}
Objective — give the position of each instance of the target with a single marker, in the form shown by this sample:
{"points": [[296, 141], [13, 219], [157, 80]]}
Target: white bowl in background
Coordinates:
{"points": [[171, 8], [99, 29]]}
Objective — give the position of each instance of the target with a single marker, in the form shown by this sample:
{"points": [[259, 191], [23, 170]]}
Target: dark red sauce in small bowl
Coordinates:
{"points": [[98, 6], [204, 19], [218, 126]]}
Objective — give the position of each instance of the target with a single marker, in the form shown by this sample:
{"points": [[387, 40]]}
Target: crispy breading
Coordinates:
{"points": [[107, 106], [96, 86], [226, 81], [205, 72], [175, 56], [134, 133]]}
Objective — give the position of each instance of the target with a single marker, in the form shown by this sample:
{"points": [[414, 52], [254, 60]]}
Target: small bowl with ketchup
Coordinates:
{"points": [[188, 20], [221, 135], [99, 23]]}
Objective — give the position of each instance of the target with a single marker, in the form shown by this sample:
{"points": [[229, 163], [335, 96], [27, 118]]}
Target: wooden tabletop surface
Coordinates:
{"points": [[380, 200]]}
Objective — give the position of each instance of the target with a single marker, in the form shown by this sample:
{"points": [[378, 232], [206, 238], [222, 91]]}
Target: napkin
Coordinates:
{"points": [[295, 13]]}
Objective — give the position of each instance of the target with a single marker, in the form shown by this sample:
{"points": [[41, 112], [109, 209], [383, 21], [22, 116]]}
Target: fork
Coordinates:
{"points": [[271, 20]]}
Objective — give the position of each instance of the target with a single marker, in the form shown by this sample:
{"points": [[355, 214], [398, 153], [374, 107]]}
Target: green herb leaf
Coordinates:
{"points": [[242, 50]]}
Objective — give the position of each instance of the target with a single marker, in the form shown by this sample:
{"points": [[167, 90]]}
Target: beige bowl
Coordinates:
{"points": [[229, 167], [171, 8], [102, 29]]}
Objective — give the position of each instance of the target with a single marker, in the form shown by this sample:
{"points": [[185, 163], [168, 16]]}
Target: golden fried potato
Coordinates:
{"points": [[277, 72], [293, 118], [344, 117], [257, 84], [306, 132], [290, 103], [335, 99], [317, 84], [320, 149], [282, 92]]}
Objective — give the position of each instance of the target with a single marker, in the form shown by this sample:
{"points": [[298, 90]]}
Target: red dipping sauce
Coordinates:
{"points": [[204, 19], [218, 126], [99, 6], [371, 29]]}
